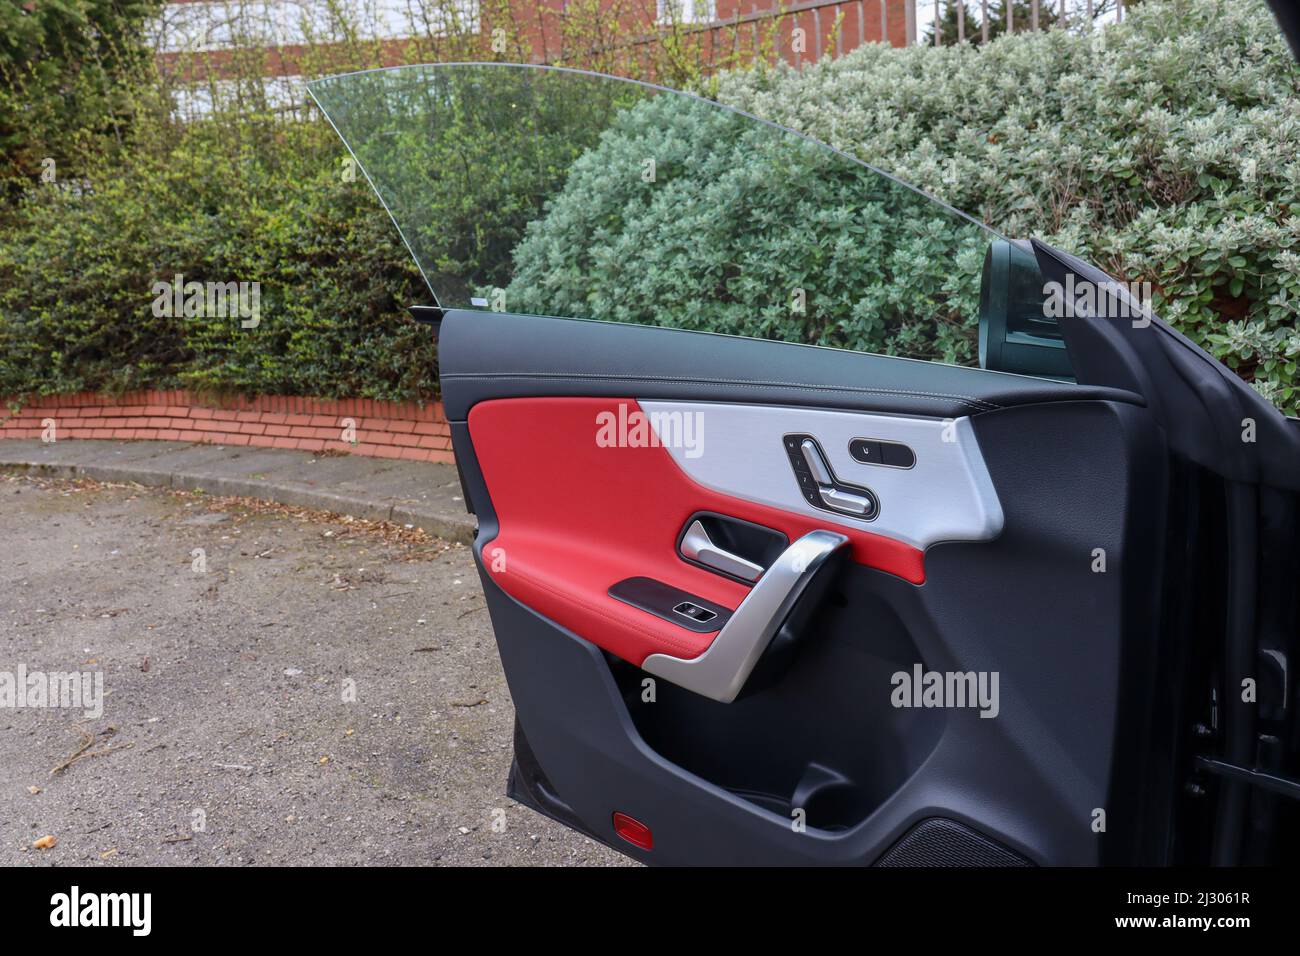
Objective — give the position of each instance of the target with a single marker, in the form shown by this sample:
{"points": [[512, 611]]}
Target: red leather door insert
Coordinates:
{"points": [[576, 517]]}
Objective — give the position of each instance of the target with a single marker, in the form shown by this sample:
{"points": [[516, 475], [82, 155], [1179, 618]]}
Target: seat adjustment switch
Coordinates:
{"points": [[818, 484]]}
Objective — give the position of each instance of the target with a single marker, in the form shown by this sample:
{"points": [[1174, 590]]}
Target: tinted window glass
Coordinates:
{"points": [[556, 192]]}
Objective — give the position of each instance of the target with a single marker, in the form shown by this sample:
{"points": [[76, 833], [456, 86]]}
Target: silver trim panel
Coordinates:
{"points": [[947, 495]]}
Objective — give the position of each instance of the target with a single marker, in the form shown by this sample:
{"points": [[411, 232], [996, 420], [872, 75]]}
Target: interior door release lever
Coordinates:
{"points": [[698, 546], [721, 671]]}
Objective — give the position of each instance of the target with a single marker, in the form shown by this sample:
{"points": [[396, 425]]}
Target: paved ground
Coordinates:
{"points": [[225, 736], [425, 495]]}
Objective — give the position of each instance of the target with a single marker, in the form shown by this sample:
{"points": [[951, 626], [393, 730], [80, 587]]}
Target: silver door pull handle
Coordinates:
{"points": [[721, 671], [698, 546]]}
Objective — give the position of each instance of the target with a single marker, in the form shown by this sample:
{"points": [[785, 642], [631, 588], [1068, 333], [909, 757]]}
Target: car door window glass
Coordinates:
{"points": [[548, 191]]}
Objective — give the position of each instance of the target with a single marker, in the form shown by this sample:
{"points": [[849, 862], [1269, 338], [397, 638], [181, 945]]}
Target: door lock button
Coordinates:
{"points": [[869, 451], [866, 451], [897, 455]]}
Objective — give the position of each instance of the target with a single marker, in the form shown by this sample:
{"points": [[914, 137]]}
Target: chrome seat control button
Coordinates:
{"points": [[812, 457], [846, 501]]}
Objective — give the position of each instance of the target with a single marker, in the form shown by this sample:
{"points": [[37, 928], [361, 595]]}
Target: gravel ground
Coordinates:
{"points": [[226, 735]]}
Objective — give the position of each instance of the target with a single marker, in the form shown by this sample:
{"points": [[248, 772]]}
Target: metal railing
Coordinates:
{"points": [[949, 21]]}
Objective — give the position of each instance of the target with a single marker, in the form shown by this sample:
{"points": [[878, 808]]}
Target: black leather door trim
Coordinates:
{"points": [[486, 355]]}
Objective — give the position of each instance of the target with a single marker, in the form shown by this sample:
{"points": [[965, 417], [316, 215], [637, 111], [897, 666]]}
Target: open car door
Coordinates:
{"points": [[822, 589]]}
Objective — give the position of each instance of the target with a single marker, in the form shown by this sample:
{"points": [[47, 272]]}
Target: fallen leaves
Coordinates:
{"points": [[420, 545], [425, 546]]}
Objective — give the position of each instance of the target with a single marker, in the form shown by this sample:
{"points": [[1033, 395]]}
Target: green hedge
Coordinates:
{"points": [[1165, 149], [1169, 155], [751, 230], [270, 203]]}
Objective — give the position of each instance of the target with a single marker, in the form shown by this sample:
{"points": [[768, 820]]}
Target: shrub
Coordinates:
{"points": [[246, 194], [63, 70], [750, 230], [78, 263], [1166, 149]]}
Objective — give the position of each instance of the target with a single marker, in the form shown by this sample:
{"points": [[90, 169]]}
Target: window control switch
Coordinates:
{"points": [[680, 608], [694, 612]]}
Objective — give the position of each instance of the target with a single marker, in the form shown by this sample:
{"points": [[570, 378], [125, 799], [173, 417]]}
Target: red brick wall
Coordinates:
{"points": [[383, 429]]}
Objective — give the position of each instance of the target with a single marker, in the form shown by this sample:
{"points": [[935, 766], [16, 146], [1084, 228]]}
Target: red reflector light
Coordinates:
{"points": [[633, 831]]}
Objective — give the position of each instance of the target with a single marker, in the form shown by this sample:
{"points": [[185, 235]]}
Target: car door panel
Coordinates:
{"points": [[576, 518], [715, 782]]}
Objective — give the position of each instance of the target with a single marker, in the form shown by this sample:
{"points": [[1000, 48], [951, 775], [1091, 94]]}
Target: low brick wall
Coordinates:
{"points": [[381, 429]]}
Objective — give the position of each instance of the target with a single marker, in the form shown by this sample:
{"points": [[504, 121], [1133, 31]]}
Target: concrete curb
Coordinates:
{"points": [[450, 527]]}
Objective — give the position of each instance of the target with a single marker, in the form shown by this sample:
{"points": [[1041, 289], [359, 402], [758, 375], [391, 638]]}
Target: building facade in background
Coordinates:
{"points": [[202, 43]]}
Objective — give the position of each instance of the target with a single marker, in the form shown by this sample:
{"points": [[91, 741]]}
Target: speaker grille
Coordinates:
{"points": [[942, 842]]}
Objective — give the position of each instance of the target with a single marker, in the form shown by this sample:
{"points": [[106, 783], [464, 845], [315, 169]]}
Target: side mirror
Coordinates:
{"points": [[1016, 334]]}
